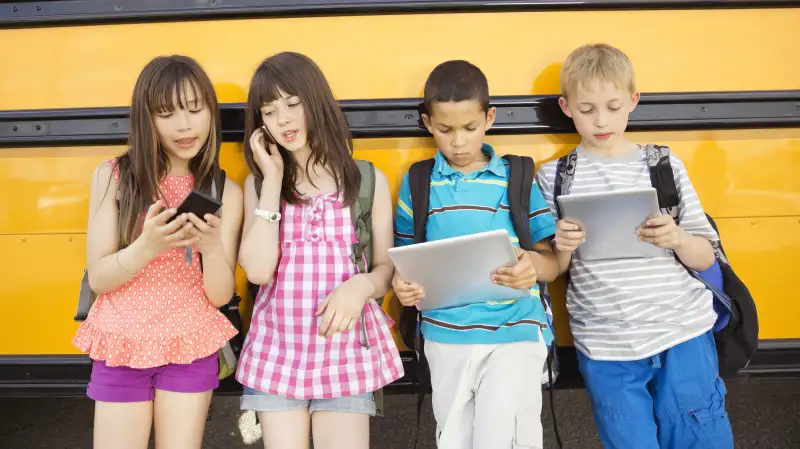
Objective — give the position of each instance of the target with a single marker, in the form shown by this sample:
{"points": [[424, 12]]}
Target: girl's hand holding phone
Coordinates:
{"points": [[158, 235], [206, 233], [269, 161]]}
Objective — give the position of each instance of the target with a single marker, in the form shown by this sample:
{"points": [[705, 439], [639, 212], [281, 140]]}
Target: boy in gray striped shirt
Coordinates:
{"points": [[642, 327]]}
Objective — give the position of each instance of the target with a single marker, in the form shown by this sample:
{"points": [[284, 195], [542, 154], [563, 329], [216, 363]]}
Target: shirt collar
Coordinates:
{"points": [[442, 168]]}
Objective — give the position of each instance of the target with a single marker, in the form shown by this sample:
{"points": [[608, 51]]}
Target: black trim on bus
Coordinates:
{"points": [[67, 375], [85, 12], [394, 118]]}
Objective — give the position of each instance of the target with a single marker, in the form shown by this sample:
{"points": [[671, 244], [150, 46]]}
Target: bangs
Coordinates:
{"points": [[177, 86], [270, 84]]}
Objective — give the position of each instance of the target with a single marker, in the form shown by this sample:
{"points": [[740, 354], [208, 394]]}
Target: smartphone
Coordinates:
{"points": [[268, 138], [199, 204]]}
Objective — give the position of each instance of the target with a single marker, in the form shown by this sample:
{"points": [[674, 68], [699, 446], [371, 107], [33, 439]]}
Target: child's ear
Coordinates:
{"points": [[427, 121], [491, 115], [634, 100], [564, 106]]}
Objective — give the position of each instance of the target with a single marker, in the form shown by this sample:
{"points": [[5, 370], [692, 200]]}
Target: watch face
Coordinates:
{"points": [[274, 216]]}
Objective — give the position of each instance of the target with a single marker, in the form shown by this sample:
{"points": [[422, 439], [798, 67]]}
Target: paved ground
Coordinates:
{"points": [[765, 414]]}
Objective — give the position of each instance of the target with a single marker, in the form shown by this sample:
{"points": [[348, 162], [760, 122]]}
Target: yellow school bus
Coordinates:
{"points": [[721, 87]]}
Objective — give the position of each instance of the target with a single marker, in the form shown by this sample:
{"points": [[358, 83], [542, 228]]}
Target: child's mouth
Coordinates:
{"points": [[187, 142], [289, 136]]}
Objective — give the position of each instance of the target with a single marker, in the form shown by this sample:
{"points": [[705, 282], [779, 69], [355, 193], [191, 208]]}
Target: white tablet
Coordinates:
{"points": [[457, 271], [610, 220]]}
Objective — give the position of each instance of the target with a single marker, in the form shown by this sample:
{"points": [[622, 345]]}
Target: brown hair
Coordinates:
{"points": [[145, 164], [329, 136], [597, 62], [456, 81]]}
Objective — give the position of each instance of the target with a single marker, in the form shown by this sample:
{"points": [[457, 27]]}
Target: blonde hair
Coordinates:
{"points": [[597, 62]]}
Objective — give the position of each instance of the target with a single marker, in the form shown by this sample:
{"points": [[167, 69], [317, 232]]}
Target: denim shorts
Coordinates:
{"points": [[265, 402]]}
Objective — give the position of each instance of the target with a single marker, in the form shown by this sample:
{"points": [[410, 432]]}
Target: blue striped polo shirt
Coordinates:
{"points": [[467, 204]]}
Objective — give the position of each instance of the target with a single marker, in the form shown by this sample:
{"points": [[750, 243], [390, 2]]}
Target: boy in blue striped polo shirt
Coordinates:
{"points": [[486, 359]]}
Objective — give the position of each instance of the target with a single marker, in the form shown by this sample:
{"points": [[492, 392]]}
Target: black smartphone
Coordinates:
{"points": [[268, 138], [199, 204]]}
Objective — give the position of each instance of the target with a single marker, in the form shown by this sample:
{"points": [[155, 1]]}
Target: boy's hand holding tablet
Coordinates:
{"points": [[408, 293], [662, 232], [522, 275], [569, 236]]}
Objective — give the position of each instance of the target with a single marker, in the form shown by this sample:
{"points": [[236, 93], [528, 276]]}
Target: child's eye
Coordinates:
{"points": [[614, 109], [267, 113], [196, 111], [588, 111], [291, 105], [471, 129], [444, 131], [164, 114]]}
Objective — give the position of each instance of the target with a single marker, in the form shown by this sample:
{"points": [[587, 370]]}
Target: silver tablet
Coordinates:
{"points": [[610, 220], [457, 271]]}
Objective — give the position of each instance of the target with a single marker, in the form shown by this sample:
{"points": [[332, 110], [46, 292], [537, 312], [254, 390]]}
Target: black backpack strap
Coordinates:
{"points": [[520, 182], [217, 189], [565, 172], [662, 179], [419, 182]]}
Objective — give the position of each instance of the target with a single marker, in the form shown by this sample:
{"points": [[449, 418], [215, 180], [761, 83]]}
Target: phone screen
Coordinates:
{"points": [[198, 204]]}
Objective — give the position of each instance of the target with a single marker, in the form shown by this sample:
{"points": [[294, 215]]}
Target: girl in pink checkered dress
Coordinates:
{"points": [[319, 345]]}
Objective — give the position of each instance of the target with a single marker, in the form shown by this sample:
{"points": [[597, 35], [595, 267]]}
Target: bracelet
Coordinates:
{"points": [[120, 266]]}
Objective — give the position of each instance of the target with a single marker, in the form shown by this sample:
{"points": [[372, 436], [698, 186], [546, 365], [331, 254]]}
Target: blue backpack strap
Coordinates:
{"points": [[565, 172]]}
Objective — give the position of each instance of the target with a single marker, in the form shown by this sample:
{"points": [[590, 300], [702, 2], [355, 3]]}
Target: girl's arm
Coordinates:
{"points": [[259, 253], [219, 261], [380, 275], [341, 308], [109, 268]]}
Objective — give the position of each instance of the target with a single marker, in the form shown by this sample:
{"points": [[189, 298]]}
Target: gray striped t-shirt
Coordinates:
{"points": [[631, 309]]}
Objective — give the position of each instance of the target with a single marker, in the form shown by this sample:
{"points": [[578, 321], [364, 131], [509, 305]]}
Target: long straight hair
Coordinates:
{"points": [[145, 164], [328, 134]]}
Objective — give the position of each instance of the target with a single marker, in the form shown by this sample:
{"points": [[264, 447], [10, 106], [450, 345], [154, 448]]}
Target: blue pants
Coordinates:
{"points": [[673, 400]]}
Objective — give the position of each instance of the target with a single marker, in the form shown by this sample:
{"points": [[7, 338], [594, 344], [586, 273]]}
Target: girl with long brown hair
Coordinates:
{"points": [[154, 331], [319, 345]]}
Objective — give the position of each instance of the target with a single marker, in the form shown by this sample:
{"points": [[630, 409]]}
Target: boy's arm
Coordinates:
{"points": [[542, 228], [563, 258], [691, 240], [404, 217]]}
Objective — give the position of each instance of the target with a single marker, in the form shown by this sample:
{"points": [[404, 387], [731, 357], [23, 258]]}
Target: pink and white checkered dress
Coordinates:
{"points": [[282, 354]]}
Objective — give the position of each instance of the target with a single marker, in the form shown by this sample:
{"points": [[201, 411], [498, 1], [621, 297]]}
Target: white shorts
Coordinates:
{"points": [[487, 396]]}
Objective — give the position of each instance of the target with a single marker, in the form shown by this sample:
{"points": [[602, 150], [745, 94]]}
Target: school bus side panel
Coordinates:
{"points": [[745, 179], [387, 57]]}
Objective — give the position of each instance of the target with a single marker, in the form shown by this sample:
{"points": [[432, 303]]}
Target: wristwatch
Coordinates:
{"points": [[272, 217]]}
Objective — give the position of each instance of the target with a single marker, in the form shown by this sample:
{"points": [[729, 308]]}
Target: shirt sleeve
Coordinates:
{"points": [[404, 216], [542, 222], [546, 185]]}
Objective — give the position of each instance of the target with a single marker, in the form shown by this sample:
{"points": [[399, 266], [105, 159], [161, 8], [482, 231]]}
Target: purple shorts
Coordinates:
{"points": [[124, 384]]}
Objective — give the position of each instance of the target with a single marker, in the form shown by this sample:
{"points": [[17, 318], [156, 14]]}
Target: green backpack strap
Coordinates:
{"points": [[362, 216]]}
